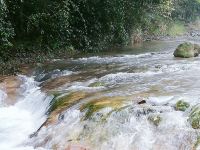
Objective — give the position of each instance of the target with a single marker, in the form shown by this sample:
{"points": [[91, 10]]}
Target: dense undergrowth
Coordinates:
{"points": [[39, 29]]}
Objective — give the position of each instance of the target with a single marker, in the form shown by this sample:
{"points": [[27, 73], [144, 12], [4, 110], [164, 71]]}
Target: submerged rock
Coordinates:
{"points": [[197, 143], [98, 104], [182, 106], [142, 102], [186, 50], [97, 84], [61, 103], [197, 48], [156, 119], [194, 117]]}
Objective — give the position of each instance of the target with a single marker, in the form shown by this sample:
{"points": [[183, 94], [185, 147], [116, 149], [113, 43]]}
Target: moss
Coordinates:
{"points": [[63, 102], [96, 105], [185, 50], [155, 119], [197, 143], [97, 84], [182, 106], [194, 117]]}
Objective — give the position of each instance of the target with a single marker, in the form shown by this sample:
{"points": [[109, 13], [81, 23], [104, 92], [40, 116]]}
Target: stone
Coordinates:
{"points": [[155, 119], [186, 50], [194, 117], [182, 106]]}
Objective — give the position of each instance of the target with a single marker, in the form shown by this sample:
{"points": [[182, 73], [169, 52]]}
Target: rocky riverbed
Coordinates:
{"points": [[140, 98]]}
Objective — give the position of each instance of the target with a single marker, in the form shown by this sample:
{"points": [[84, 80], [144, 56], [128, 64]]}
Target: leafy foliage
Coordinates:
{"points": [[6, 31], [85, 24]]}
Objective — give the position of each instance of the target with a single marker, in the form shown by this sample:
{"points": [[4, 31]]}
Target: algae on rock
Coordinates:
{"points": [[182, 106], [194, 117], [98, 104], [186, 50], [155, 119]]}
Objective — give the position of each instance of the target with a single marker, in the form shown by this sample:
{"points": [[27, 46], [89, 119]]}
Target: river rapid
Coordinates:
{"points": [[118, 100]]}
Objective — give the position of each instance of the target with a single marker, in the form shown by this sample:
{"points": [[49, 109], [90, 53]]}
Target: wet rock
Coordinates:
{"points": [[58, 82], [194, 117], [97, 84], [197, 143], [142, 102], [182, 106], [10, 84], [61, 103], [98, 104], [155, 119], [197, 48], [186, 50]]}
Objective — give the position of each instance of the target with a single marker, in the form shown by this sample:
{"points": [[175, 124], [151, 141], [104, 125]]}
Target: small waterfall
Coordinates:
{"points": [[20, 120]]}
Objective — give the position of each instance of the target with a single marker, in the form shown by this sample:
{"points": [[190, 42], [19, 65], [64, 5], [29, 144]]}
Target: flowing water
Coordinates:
{"points": [[104, 102]]}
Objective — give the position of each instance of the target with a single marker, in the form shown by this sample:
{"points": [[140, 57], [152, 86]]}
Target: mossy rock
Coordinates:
{"points": [[186, 50], [182, 106], [194, 117], [98, 104], [155, 119], [97, 84], [197, 48], [62, 103], [197, 143]]}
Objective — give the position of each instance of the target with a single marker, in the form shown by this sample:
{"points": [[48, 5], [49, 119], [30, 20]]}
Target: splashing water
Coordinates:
{"points": [[121, 101]]}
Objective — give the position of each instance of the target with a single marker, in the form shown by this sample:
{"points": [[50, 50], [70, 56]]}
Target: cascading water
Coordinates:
{"points": [[19, 121], [121, 101]]}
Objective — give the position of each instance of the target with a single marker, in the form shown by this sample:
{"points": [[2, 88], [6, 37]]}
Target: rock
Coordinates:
{"points": [[186, 50], [142, 102], [58, 105], [98, 104], [155, 119], [54, 83], [61, 103], [197, 48], [96, 84], [194, 117], [197, 143], [10, 84], [182, 106]]}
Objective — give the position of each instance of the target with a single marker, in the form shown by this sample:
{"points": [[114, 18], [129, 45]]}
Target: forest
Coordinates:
{"points": [[57, 26]]}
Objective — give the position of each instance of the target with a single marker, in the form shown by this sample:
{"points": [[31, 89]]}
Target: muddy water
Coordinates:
{"points": [[104, 102]]}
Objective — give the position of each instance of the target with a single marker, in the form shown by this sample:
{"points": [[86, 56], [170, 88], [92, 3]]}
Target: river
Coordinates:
{"points": [[104, 101]]}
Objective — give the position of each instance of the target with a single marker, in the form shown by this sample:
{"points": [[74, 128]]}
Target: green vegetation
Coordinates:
{"points": [[155, 120], [177, 29], [97, 84], [194, 117], [182, 106], [186, 50], [57, 28], [197, 143], [96, 105]]}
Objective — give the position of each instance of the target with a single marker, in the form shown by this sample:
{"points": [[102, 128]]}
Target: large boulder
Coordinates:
{"points": [[186, 50]]}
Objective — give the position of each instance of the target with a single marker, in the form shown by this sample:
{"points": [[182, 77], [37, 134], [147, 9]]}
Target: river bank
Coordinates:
{"points": [[21, 60]]}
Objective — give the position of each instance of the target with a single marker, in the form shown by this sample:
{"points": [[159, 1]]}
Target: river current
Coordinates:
{"points": [[109, 102]]}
